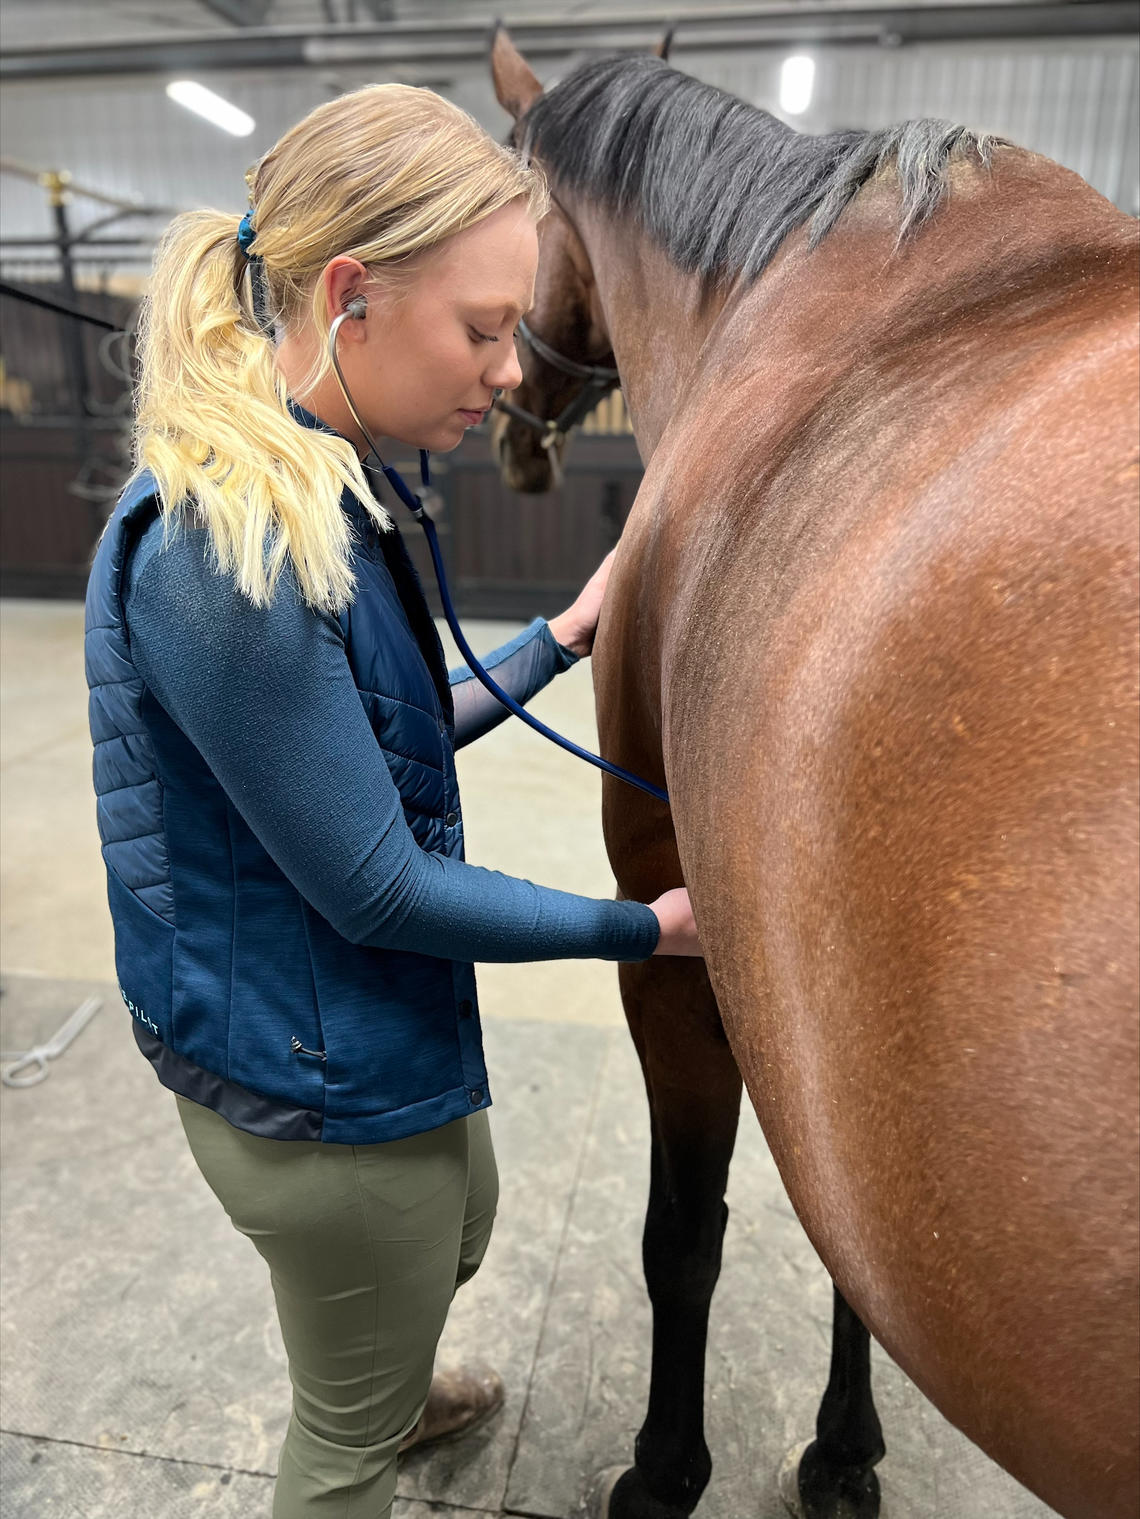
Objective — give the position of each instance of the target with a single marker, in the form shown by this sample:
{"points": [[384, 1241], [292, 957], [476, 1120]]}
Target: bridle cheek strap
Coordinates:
{"points": [[598, 382]]}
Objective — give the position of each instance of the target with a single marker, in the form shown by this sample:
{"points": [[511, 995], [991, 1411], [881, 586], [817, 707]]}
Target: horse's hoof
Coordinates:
{"points": [[851, 1494], [788, 1480], [597, 1504]]}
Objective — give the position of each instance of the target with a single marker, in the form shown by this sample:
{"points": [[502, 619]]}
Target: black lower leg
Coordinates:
{"points": [[694, 1091], [836, 1475], [684, 1230]]}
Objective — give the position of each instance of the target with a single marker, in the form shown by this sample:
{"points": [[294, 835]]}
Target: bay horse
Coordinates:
{"points": [[872, 621]]}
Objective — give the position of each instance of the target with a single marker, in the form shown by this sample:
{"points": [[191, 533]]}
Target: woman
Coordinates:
{"points": [[275, 736]]}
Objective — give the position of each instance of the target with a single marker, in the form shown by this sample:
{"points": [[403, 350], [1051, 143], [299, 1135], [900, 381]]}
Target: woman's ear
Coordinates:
{"points": [[344, 279]]}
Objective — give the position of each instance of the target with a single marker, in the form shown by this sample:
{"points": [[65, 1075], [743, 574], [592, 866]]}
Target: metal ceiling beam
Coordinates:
{"points": [[240, 12], [401, 43]]}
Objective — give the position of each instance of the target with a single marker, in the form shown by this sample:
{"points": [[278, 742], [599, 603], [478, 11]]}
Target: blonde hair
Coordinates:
{"points": [[381, 174]]}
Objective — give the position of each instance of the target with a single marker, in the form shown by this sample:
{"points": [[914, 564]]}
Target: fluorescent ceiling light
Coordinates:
{"points": [[203, 102], [797, 75]]}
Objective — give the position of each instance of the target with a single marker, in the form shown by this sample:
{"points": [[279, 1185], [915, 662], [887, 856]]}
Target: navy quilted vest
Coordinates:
{"points": [[244, 998]]}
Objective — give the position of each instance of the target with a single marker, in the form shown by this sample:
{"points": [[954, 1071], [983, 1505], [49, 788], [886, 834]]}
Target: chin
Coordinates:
{"points": [[447, 439], [442, 440]]}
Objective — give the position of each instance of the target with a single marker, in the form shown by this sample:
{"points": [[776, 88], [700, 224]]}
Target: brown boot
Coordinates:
{"points": [[458, 1402]]}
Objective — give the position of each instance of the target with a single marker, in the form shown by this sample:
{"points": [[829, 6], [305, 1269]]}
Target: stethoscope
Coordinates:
{"points": [[355, 311]]}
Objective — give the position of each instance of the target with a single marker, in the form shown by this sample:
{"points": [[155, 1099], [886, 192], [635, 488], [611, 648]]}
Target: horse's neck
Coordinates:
{"points": [[853, 293], [657, 318]]}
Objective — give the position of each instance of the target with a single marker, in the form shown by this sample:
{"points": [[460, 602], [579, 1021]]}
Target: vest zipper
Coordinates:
{"points": [[299, 1049]]}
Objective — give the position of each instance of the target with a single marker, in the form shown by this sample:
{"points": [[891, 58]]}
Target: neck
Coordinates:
{"points": [[656, 316], [296, 361]]}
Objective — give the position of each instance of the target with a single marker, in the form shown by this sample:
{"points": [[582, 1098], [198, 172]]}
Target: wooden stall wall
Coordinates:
{"points": [[64, 453], [64, 437], [511, 555]]}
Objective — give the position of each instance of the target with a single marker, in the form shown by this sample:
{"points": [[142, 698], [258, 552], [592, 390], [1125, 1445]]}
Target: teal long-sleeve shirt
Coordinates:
{"points": [[268, 698]]}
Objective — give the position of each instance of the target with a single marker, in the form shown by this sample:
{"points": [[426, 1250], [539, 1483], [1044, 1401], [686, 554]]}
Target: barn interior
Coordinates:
{"points": [[143, 1373]]}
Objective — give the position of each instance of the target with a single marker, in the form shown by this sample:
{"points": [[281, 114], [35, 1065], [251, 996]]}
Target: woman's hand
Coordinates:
{"points": [[574, 629], [678, 930]]}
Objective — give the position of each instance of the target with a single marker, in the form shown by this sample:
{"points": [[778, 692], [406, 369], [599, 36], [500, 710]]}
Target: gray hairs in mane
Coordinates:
{"points": [[718, 183]]}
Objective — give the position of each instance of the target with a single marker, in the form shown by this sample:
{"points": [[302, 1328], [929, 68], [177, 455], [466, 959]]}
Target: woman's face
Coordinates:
{"points": [[425, 362]]}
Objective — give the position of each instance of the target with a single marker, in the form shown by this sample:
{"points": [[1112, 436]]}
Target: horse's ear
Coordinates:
{"points": [[516, 86], [661, 50]]}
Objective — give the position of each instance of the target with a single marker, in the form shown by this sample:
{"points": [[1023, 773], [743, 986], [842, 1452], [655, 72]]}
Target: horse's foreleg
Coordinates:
{"points": [[834, 1478], [694, 1102]]}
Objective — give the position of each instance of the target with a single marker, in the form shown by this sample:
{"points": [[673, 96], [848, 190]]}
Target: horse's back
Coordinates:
{"points": [[900, 732]]}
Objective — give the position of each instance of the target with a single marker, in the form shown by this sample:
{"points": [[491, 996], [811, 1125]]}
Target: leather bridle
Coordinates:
{"points": [[598, 380]]}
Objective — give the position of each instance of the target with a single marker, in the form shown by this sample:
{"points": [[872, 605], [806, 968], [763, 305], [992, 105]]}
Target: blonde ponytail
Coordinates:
{"points": [[213, 426], [380, 175]]}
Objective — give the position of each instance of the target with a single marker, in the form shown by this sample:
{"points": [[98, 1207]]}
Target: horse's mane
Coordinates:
{"points": [[719, 183]]}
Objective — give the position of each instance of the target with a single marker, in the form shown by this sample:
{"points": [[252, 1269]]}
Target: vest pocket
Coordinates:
{"points": [[299, 1049]]}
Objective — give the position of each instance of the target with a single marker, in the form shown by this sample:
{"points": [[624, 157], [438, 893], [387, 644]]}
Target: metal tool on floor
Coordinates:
{"points": [[27, 1068]]}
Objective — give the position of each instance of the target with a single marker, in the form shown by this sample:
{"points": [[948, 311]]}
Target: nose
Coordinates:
{"points": [[503, 372]]}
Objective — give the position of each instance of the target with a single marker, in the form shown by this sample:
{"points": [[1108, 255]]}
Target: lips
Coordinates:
{"points": [[474, 416]]}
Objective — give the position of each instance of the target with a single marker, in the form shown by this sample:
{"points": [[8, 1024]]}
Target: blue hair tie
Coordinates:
{"points": [[246, 233]]}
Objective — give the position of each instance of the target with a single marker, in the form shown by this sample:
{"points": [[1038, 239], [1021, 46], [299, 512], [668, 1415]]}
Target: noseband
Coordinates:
{"points": [[599, 381]]}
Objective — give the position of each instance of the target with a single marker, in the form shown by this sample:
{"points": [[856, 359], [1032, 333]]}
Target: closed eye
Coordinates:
{"points": [[487, 337]]}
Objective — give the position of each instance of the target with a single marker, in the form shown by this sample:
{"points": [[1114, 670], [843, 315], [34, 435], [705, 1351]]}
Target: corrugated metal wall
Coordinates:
{"points": [[1076, 102]]}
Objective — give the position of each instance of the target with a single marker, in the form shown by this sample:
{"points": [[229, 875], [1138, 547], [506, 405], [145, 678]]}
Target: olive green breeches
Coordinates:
{"points": [[365, 1245]]}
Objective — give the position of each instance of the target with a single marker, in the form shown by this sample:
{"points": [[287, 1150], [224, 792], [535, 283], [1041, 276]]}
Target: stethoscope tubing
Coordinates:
{"points": [[419, 511], [507, 700]]}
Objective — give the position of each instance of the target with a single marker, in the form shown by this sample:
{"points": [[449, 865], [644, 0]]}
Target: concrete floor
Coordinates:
{"points": [[143, 1375]]}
